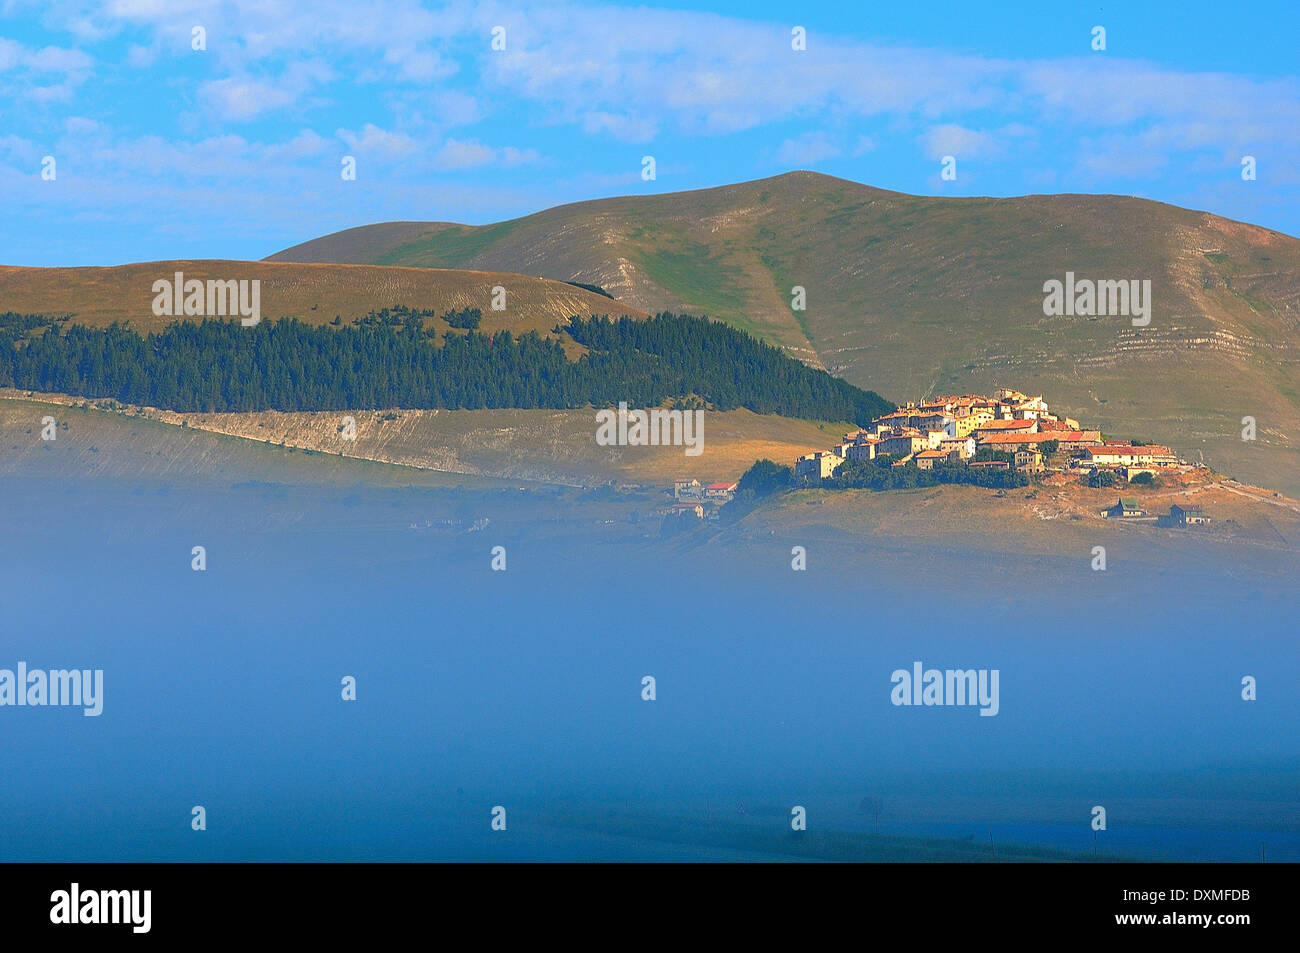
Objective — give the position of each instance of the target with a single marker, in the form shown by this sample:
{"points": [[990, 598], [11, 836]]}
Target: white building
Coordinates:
{"points": [[965, 446], [862, 450], [819, 465]]}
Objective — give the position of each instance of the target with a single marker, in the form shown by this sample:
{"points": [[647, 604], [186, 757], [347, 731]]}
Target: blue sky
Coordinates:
{"points": [[235, 151]]}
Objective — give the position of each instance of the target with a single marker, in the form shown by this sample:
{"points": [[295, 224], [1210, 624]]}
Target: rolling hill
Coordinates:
{"points": [[912, 296], [438, 447], [314, 293]]}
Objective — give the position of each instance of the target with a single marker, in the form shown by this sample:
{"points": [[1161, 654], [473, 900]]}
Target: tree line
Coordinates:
{"points": [[880, 474], [728, 366], [390, 359], [765, 479]]}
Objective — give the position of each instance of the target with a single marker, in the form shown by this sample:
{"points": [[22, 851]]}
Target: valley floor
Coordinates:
{"points": [[483, 449]]}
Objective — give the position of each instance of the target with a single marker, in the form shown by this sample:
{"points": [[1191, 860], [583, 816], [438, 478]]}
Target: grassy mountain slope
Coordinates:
{"points": [[911, 295], [315, 293]]}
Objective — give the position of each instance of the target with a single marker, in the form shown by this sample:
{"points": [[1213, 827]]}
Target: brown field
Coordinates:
{"points": [[314, 293], [551, 446], [139, 449]]}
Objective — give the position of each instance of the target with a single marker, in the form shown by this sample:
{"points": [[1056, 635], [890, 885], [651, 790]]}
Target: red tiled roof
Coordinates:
{"points": [[1127, 449], [1003, 439], [1061, 436]]}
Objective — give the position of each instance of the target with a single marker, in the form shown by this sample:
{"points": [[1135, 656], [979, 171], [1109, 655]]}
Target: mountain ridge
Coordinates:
{"points": [[917, 295], [315, 293]]}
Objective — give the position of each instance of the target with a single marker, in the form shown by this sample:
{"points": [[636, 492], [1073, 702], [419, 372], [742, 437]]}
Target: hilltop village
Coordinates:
{"points": [[1007, 440], [1008, 431]]}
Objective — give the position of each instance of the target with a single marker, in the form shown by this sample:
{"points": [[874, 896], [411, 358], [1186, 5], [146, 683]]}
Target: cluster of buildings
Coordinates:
{"points": [[699, 499], [954, 429], [1009, 430], [1180, 514]]}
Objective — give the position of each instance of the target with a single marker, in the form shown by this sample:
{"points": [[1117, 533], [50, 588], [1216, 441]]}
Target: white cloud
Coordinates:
{"points": [[47, 59], [458, 155], [510, 156], [807, 150], [53, 59], [463, 155], [621, 127], [306, 144], [377, 141], [41, 76], [631, 72], [141, 57], [400, 82], [80, 126], [953, 140], [244, 97], [19, 150]]}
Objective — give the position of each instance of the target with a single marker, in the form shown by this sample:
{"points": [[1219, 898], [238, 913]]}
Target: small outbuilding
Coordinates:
{"points": [[1189, 514], [1126, 508]]}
